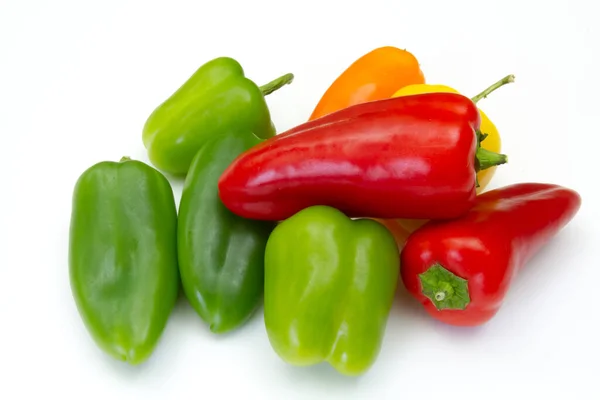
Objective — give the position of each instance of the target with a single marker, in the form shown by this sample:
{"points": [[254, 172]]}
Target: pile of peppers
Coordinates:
{"points": [[383, 185]]}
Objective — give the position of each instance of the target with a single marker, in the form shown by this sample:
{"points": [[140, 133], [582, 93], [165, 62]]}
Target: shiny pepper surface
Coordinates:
{"points": [[123, 256], [412, 157], [216, 98], [461, 269], [374, 76], [329, 287], [221, 255], [492, 141]]}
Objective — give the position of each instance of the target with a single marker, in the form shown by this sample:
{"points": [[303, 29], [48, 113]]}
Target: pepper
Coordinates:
{"points": [[221, 256], [329, 288], [491, 142], [461, 270], [405, 157], [216, 98], [374, 76], [123, 256]]}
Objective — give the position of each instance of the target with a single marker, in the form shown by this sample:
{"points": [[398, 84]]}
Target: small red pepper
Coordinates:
{"points": [[403, 157], [460, 270]]}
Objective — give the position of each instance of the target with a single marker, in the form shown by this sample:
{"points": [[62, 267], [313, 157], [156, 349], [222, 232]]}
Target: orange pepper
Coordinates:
{"points": [[397, 230], [376, 75]]}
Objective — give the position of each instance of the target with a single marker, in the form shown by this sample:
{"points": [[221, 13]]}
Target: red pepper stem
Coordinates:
{"points": [[507, 79], [445, 289], [276, 84]]}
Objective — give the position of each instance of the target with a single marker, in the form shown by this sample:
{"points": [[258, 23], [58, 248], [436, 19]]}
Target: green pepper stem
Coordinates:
{"points": [[125, 158], [276, 84], [445, 289], [507, 79], [487, 159]]}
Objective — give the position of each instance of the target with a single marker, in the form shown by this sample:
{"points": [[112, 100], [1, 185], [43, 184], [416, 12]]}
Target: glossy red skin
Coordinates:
{"points": [[403, 157], [488, 246]]}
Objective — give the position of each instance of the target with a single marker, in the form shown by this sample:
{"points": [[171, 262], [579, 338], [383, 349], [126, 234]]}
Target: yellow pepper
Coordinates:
{"points": [[491, 142]]}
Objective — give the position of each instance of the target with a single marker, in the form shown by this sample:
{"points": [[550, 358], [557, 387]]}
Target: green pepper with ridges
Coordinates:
{"points": [[123, 256], [221, 255], [217, 98], [329, 288]]}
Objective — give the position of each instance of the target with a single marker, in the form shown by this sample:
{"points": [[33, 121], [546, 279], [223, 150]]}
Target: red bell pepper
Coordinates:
{"points": [[460, 270], [403, 157]]}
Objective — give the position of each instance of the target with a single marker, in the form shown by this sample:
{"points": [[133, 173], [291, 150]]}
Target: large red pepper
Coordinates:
{"points": [[460, 270], [404, 157]]}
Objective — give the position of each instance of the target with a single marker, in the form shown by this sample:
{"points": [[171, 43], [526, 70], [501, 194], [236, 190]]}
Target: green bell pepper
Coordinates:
{"points": [[221, 255], [216, 98], [329, 287], [123, 256]]}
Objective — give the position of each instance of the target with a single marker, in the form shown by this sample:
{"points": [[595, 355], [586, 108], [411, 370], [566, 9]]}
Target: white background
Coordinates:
{"points": [[79, 78]]}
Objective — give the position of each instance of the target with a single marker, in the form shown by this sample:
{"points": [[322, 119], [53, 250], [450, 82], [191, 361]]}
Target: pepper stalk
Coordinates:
{"points": [[484, 158]]}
